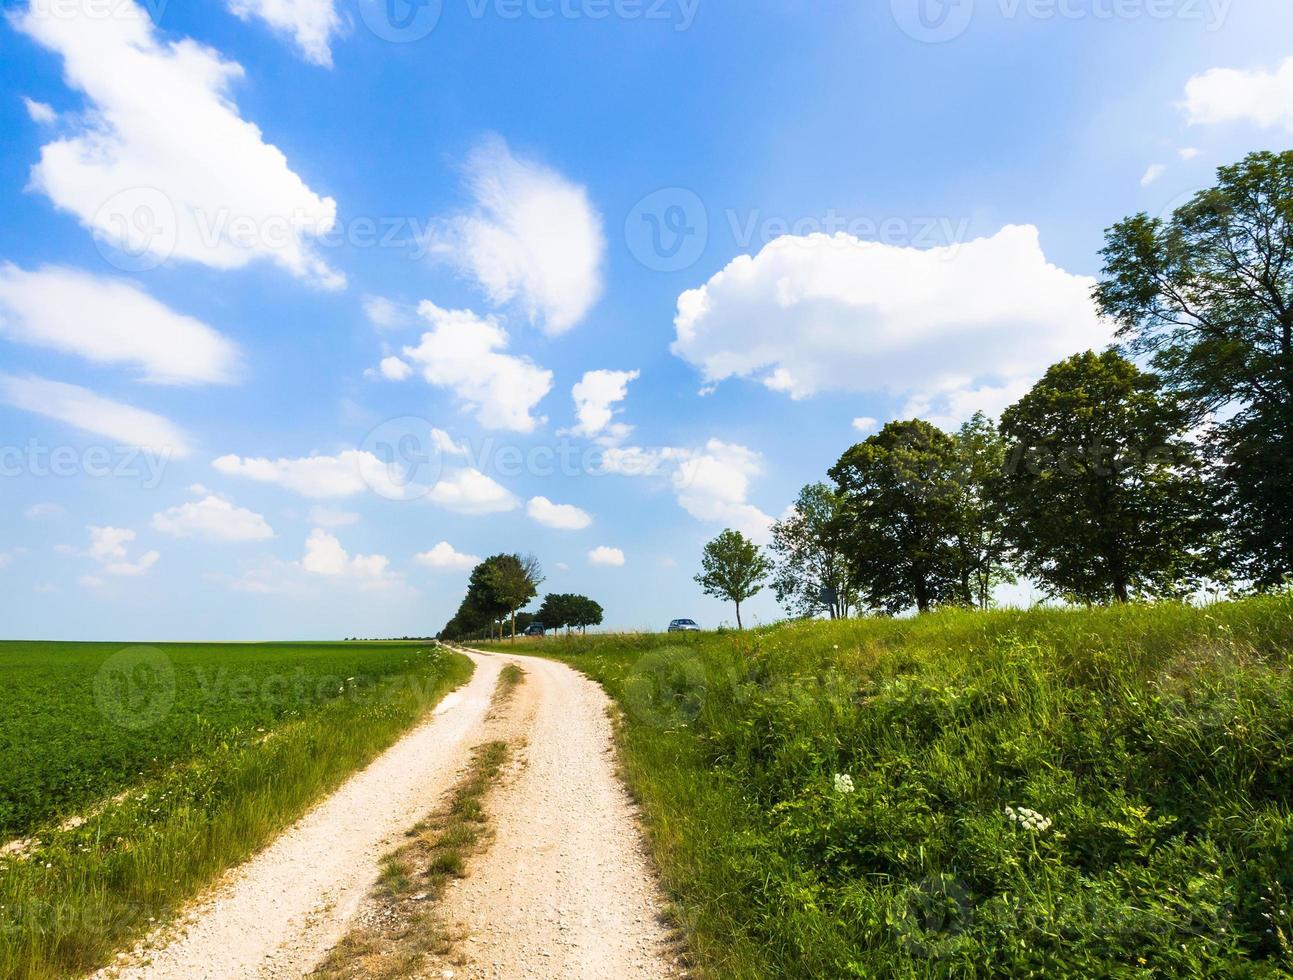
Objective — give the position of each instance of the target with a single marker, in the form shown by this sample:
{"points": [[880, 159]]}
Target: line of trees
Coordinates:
{"points": [[500, 587], [497, 588], [563, 610], [1147, 470]]}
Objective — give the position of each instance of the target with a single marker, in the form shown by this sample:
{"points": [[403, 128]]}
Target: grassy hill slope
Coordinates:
{"points": [[1060, 793]]}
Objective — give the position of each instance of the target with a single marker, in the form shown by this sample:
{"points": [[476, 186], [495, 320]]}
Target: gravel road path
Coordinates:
{"points": [[565, 890], [275, 915]]}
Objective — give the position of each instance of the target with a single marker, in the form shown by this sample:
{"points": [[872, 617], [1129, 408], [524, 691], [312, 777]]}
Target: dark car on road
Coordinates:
{"points": [[534, 629]]}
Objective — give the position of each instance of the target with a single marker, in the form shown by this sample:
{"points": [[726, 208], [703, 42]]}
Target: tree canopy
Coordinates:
{"points": [[513, 581], [1104, 495], [1208, 295], [561, 609], [733, 568], [901, 491], [812, 566]]}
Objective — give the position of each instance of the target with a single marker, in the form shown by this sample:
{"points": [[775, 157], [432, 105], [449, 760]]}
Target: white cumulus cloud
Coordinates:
{"points": [[603, 555], [866, 424], [386, 314], [564, 517], [393, 369], [832, 312], [533, 238], [1153, 174], [84, 410], [162, 163], [469, 491], [464, 354], [108, 546], [1258, 96], [329, 517], [324, 555], [714, 483], [212, 517], [596, 395], [40, 112], [111, 321], [310, 23], [711, 482], [446, 558], [346, 474]]}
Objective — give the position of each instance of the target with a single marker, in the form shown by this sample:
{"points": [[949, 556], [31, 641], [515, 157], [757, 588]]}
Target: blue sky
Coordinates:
{"points": [[602, 277]]}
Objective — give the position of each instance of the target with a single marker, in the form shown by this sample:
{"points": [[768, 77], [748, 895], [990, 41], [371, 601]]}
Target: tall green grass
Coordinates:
{"points": [[218, 774], [1158, 742]]}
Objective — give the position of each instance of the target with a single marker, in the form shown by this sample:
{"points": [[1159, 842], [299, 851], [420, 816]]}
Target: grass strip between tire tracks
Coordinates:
{"points": [[400, 928]]}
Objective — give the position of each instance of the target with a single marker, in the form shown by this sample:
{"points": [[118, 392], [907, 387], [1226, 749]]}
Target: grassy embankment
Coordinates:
{"points": [[142, 773], [1154, 743]]}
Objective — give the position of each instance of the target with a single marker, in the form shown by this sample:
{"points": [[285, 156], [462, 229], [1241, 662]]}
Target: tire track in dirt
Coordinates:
{"points": [[566, 889], [278, 913]]}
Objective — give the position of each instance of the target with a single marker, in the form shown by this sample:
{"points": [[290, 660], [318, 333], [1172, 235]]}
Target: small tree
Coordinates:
{"points": [[515, 580], [812, 568], [733, 568]]}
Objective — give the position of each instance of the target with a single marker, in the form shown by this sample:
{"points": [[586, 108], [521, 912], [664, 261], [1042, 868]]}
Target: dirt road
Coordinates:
{"points": [[564, 890]]}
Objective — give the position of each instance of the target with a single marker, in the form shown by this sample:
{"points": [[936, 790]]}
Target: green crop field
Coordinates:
{"points": [[136, 773], [1105, 792]]}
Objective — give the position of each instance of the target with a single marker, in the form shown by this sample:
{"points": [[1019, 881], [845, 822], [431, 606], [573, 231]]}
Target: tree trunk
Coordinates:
{"points": [[1120, 591], [738, 617], [513, 625]]}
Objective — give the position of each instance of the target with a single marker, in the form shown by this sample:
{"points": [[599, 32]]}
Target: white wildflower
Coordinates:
{"points": [[843, 783], [1028, 819]]}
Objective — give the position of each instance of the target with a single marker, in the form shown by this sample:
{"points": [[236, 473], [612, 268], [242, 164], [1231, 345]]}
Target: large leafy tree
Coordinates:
{"points": [[482, 607], [902, 492], [514, 580], [1104, 494], [585, 612], [812, 565], [557, 611], [1208, 294], [733, 568]]}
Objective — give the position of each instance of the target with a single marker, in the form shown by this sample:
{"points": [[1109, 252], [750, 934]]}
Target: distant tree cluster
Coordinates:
{"points": [[1143, 471], [561, 610], [500, 587], [496, 590]]}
